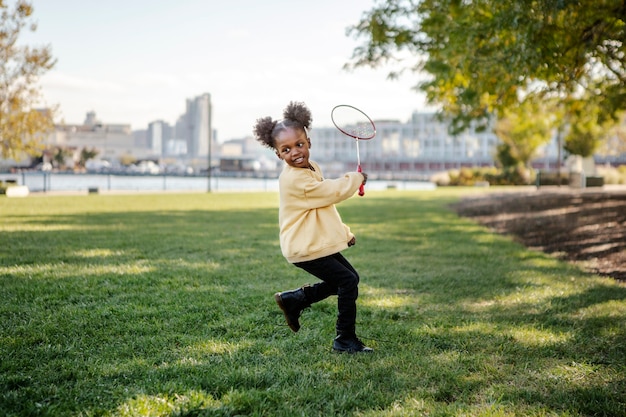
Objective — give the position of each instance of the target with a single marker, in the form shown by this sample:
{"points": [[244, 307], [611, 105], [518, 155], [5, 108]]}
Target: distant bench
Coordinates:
{"points": [[572, 179]]}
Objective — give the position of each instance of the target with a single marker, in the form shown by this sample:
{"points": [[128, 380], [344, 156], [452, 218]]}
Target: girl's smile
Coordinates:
{"points": [[292, 146]]}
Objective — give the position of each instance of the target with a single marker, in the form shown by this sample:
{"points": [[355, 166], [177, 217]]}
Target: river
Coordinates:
{"points": [[45, 182]]}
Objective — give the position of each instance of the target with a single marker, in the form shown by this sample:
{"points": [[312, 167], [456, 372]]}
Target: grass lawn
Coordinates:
{"points": [[162, 305]]}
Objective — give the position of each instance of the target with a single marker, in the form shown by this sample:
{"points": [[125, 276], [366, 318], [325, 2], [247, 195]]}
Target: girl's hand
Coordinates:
{"points": [[352, 242]]}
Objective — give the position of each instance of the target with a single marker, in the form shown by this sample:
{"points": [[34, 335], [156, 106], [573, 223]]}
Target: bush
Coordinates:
{"points": [[442, 179], [6, 184], [464, 176], [492, 175], [613, 175]]}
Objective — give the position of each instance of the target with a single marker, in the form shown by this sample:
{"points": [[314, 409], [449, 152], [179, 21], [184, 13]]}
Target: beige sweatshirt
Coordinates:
{"points": [[310, 226]]}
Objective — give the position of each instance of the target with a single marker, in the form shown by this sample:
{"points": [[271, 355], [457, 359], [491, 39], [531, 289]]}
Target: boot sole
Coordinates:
{"points": [[279, 301], [351, 351]]}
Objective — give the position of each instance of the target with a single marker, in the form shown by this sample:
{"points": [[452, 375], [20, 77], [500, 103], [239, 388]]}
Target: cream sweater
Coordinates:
{"points": [[310, 226]]}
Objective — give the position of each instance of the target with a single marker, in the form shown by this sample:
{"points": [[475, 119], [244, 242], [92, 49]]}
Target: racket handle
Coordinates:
{"points": [[362, 187]]}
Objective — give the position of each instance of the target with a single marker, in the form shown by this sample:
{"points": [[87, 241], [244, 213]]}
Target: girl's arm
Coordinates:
{"points": [[332, 191]]}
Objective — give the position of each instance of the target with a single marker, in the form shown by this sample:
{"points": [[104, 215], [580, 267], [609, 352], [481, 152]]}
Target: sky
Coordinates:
{"points": [[137, 61]]}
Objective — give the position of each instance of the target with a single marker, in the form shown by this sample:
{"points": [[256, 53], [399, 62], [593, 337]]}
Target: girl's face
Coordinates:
{"points": [[292, 146]]}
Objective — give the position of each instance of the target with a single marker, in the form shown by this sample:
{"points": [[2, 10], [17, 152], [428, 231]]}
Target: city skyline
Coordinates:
{"points": [[137, 62]]}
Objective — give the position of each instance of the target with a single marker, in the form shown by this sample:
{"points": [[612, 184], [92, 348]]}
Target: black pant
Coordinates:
{"points": [[339, 278]]}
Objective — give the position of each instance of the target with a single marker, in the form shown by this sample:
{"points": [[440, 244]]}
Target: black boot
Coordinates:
{"points": [[292, 303], [349, 343]]}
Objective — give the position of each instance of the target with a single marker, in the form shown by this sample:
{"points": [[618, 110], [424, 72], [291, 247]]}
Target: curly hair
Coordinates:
{"points": [[296, 116]]}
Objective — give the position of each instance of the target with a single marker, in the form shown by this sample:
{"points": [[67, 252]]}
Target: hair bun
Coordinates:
{"points": [[298, 112]]}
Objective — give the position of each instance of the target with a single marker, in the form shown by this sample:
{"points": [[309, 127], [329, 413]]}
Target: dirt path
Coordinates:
{"points": [[583, 226]]}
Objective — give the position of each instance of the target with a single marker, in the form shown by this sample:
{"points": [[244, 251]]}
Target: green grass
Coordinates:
{"points": [[161, 305]]}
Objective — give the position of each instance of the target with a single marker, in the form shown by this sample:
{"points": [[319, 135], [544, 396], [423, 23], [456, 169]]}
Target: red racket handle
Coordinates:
{"points": [[362, 187]]}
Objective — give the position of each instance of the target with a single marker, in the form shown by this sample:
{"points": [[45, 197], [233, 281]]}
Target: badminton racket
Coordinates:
{"points": [[355, 124]]}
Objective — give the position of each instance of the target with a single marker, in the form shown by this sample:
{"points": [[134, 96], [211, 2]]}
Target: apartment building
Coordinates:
{"points": [[413, 149], [112, 141]]}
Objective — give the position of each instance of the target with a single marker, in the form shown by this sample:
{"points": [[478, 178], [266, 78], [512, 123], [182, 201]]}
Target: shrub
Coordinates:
{"points": [[6, 184], [492, 175], [613, 175]]}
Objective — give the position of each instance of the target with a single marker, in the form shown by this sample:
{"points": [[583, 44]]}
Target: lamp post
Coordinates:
{"points": [[210, 120]]}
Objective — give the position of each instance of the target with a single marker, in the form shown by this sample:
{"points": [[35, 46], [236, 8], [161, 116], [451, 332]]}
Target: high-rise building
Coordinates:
{"points": [[160, 133], [195, 125]]}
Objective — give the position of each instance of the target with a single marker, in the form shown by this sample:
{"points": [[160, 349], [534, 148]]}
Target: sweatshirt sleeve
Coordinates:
{"points": [[331, 191]]}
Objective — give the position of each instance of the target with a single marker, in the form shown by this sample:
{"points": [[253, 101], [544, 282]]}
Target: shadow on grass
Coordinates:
{"points": [[171, 312]]}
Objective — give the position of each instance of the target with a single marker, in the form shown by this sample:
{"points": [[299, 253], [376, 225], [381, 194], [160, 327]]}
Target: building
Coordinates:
{"points": [[111, 141], [413, 149], [160, 135], [408, 150], [195, 126], [248, 155]]}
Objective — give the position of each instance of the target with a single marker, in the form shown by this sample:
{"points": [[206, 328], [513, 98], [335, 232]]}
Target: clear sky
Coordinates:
{"points": [[136, 61]]}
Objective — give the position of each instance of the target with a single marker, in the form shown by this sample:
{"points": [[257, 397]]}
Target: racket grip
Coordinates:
{"points": [[362, 187]]}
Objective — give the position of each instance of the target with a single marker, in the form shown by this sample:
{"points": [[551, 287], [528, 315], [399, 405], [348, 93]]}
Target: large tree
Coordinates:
{"points": [[485, 56], [522, 130], [22, 126], [585, 128]]}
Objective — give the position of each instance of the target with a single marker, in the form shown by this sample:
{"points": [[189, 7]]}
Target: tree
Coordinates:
{"points": [[60, 155], [22, 126], [584, 129], [85, 155], [485, 56], [522, 130]]}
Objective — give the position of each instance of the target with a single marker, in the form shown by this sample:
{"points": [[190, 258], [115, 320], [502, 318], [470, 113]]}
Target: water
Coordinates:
{"points": [[44, 182]]}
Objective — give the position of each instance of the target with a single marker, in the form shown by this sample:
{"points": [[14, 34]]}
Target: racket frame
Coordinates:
{"points": [[354, 136], [348, 133]]}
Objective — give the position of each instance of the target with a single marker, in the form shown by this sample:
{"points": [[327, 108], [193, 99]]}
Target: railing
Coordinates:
{"points": [[38, 181]]}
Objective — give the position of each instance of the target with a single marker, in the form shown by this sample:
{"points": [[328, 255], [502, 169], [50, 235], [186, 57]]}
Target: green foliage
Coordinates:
{"points": [[484, 57], [22, 127], [60, 155], [464, 176], [515, 175], [613, 175], [614, 142], [127, 160], [85, 155], [505, 156], [161, 305], [6, 184], [512, 175], [585, 133], [522, 130]]}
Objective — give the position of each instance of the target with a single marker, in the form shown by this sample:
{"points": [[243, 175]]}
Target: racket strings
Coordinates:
{"points": [[353, 122], [360, 131]]}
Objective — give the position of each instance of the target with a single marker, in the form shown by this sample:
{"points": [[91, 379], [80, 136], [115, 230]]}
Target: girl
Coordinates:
{"points": [[312, 234]]}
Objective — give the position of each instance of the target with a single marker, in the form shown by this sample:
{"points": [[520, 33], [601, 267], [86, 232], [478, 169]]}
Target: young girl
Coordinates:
{"points": [[312, 234]]}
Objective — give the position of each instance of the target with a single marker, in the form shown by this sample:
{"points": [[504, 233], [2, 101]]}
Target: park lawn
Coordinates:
{"points": [[162, 305]]}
